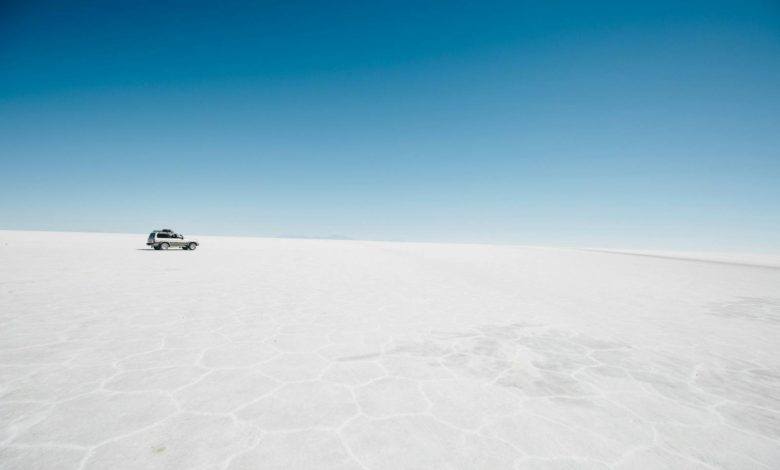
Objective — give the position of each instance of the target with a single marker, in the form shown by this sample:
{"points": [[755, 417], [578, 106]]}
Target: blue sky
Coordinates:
{"points": [[611, 124]]}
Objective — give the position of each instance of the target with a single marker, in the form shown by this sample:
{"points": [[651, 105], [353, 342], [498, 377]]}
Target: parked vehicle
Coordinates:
{"points": [[167, 238]]}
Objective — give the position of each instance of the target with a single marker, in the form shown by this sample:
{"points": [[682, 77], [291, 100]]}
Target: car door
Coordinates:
{"points": [[177, 240]]}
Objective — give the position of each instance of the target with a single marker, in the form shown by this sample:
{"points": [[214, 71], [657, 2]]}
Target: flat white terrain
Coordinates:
{"points": [[312, 354]]}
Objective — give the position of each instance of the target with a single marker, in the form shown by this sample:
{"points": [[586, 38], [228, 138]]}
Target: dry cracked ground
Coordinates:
{"points": [[298, 354]]}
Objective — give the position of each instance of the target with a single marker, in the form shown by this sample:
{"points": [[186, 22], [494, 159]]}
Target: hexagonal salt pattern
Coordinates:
{"points": [[295, 354]]}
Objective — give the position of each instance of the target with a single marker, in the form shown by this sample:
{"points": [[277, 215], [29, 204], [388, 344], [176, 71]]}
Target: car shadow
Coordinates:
{"points": [[152, 249]]}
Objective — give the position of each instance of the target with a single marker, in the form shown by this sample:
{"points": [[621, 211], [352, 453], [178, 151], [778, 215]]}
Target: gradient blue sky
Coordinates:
{"points": [[614, 124]]}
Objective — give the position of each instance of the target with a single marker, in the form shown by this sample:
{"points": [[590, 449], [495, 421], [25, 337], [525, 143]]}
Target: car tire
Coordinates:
{"points": [[192, 246], [164, 246]]}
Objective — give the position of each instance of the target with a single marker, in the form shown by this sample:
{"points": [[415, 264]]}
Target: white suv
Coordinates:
{"points": [[166, 238]]}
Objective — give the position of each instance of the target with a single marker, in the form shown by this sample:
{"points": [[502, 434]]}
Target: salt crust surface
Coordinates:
{"points": [[297, 354]]}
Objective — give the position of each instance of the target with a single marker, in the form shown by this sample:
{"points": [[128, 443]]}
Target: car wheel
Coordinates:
{"points": [[164, 246], [192, 246]]}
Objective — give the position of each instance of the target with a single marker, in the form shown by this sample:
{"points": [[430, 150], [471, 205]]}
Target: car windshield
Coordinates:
{"points": [[151, 235]]}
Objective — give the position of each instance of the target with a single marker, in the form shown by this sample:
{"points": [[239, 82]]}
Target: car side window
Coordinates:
{"points": [[162, 235]]}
